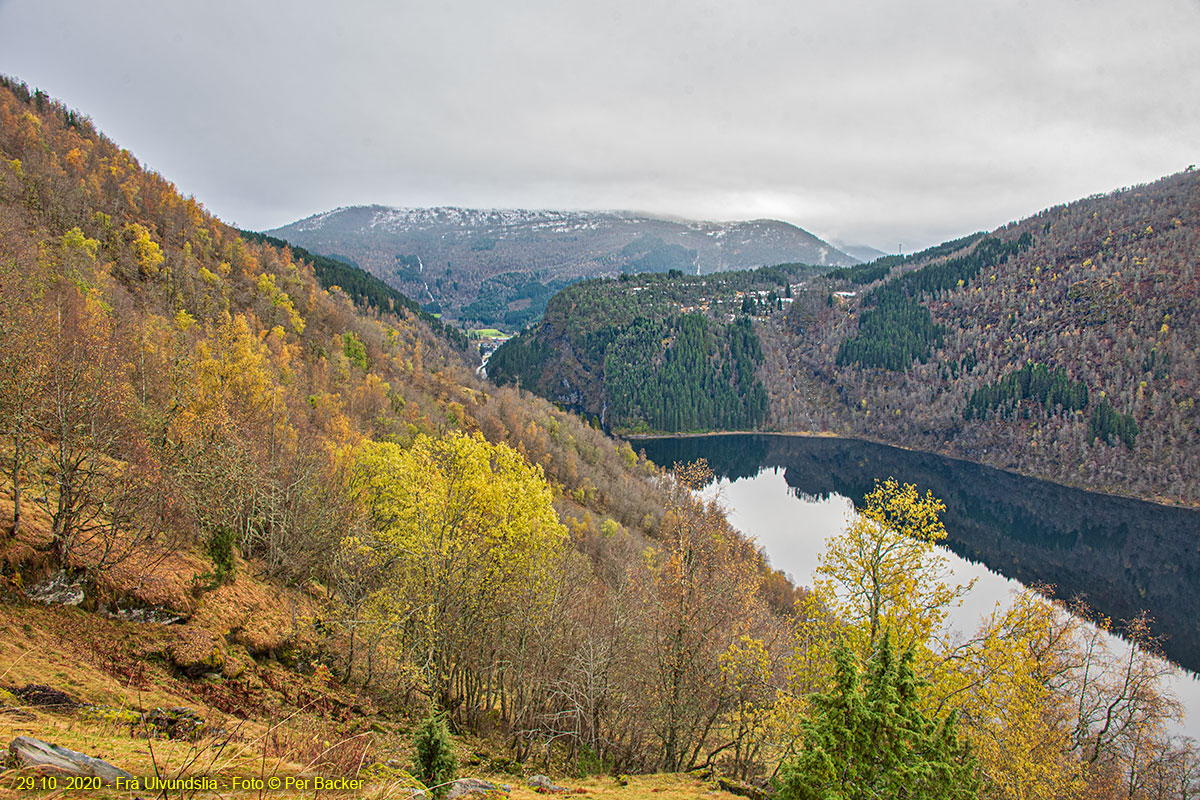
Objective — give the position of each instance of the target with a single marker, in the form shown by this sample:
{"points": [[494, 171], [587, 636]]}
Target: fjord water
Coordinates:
{"points": [[1122, 556]]}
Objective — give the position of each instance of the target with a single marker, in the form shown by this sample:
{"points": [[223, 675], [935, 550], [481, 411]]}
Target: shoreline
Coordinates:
{"points": [[1156, 501]]}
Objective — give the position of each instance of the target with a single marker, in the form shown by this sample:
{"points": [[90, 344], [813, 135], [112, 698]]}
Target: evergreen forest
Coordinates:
{"points": [[663, 352]]}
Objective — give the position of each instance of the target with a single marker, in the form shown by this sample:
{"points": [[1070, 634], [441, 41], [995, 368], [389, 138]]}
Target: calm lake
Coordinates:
{"points": [[1122, 556]]}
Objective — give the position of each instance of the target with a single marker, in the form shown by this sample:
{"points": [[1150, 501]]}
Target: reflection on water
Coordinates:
{"points": [[1122, 556]]}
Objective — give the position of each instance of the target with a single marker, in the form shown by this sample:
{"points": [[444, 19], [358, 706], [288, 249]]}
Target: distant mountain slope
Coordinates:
{"points": [[500, 266], [1063, 346], [361, 286], [861, 252]]}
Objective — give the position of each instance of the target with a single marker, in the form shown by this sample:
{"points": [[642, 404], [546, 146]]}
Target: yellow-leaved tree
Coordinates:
{"points": [[698, 593], [1051, 710], [1010, 684], [466, 536], [884, 571]]}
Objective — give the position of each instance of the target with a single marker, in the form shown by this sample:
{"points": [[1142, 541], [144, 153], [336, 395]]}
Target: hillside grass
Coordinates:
{"points": [[263, 718], [296, 731]]}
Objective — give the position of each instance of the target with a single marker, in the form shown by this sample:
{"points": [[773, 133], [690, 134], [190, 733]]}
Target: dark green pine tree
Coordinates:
{"points": [[434, 763], [871, 740]]}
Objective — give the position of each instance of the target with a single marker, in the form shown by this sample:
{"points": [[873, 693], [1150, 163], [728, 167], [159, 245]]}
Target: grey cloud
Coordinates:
{"points": [[880, 123]]}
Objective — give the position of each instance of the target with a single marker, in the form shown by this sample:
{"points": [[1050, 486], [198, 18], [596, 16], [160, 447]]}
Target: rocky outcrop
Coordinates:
{"points": [[543, 785], [477, 788], [61, 588], [742, 789], [25, 751]]}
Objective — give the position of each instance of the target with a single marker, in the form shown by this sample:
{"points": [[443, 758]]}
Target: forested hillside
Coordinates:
{"points": [[362, 287], [259, 525], [653, 352], [192, 423], [1063, 346]]}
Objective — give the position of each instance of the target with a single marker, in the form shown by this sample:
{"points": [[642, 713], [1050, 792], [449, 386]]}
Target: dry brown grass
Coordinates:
{"points": [[640, 787], [273, 722], [154, 579], [252, 725], [258, 616], [147, 577], [29, 550], [262, 719]]}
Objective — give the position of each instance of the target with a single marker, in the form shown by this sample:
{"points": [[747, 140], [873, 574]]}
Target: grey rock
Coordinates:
{"points": [[158, 615], [543, 782], [61, 588], [467, 786], [29, 752]]}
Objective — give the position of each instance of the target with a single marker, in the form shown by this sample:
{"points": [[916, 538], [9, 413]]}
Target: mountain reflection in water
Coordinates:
{"points": [[1122, 556]]}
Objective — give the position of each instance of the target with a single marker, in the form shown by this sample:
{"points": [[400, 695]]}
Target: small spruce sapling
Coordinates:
{"points": [[434, 763], [220, 550]]}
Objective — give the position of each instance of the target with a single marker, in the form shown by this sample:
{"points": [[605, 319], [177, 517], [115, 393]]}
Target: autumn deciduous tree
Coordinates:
{"points": [[1010, 684], [472, 541], [22, 375], [1121, 711], [746, 669], [85, 420], [885, 571], [358, 574], [700, 595], [1051, 708]]}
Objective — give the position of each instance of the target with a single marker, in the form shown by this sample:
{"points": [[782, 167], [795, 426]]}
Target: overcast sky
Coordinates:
{"points": [[873, 123]]}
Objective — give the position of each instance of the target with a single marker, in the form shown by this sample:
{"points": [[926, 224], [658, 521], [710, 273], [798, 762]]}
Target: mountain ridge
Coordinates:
{"points": [[292, 515], [515, 215], [499, 266]]}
